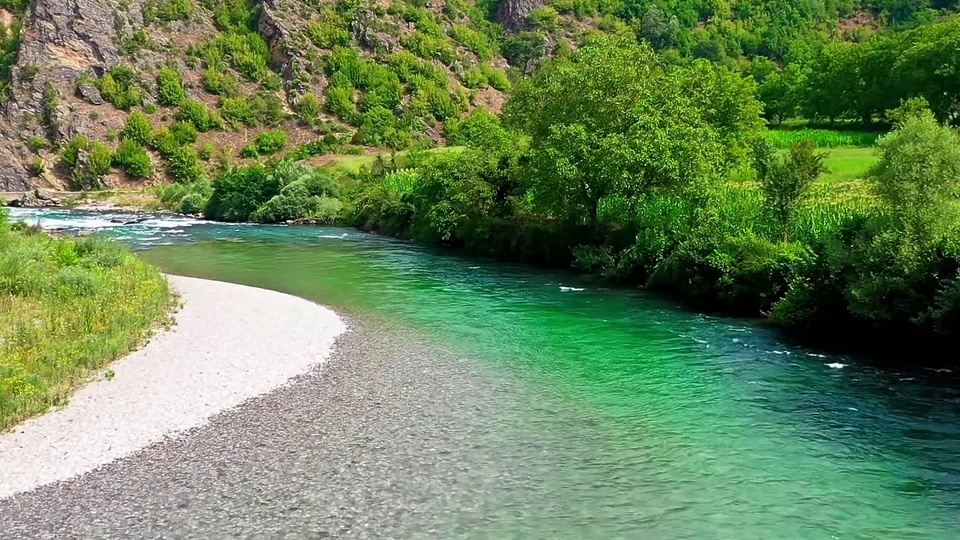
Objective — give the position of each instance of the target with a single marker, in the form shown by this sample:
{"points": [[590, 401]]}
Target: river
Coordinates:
{"points": [[588, 412]]}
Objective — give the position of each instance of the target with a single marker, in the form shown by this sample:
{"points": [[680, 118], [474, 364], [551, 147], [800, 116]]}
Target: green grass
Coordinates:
{"points": [[68, 306], [825, 138], [848, 164], [404, 159]]}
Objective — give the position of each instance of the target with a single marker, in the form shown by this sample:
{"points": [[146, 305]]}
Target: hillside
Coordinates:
{"points": [[199, 80], [118, 92]]}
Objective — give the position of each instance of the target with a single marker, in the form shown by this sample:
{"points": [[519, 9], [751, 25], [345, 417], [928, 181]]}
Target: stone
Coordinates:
{"points": [[90, 94]]}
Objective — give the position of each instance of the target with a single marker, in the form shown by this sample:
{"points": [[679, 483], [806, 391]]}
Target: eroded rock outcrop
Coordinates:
{"points": [[514, 14]]}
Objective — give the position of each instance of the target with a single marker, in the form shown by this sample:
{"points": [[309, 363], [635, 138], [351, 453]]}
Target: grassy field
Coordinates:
{"points": [[353, 164], [67, 308]]}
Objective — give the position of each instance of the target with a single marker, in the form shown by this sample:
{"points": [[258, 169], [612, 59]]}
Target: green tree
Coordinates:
{"points": [[786, 181], [917, 173], [614, 121]]}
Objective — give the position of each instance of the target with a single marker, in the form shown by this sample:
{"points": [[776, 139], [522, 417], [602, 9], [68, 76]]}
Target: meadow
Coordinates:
{"points": [[68, 306]]}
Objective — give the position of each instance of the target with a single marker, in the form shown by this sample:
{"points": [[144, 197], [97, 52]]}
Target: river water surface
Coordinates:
{"points": [[616, 414]]}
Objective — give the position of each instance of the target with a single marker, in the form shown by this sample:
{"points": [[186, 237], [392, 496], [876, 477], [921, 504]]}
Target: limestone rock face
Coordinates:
{"points": [[61, 39], [513, 14]]}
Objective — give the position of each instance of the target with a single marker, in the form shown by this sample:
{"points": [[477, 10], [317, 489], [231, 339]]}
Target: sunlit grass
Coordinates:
{"points": [[67, 308]]}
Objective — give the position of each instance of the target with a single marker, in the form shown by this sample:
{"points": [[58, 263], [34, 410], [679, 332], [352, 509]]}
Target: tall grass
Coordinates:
{"points": [[67, 307], [825, 138]]}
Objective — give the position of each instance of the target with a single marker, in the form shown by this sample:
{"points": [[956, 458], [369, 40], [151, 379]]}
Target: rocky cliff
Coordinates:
{"points": [[80, 68]]}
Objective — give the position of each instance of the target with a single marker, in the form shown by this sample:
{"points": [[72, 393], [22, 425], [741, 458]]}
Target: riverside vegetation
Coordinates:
{"points": [[68, 306], [659, 174], [625, 138]]}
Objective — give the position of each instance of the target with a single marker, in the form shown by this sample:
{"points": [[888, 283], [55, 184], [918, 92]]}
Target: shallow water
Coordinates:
{"points": [[619, 414]]}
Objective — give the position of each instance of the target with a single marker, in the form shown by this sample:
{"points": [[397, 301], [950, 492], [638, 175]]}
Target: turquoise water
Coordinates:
{"points": [[634, 418]]}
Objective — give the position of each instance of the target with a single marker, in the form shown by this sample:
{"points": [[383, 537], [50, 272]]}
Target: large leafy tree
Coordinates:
{"points": [[613, 121]]}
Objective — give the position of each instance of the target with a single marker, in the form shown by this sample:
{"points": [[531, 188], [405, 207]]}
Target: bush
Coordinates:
{"points": [[99, 161], [192, 203], [495, 78], [239, 192], [249, 151], [36, 143], [118, 86], [138, 128], [170, 87], [271, 142], [184, 165], [71, 151], [238, 111], [184, 133], [199, 115], [309, 108], [217, 81], [166, 11], [480, 129], [132, 158]]}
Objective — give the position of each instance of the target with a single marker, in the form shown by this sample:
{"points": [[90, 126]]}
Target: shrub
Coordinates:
{"points": [[480, 129], [71, 151], [118, 86], [340, 102], [192, 203], [132, 158], [199, 115], [217, 81], [474, 78], [184, 165], [271, 142], [495, 78], [170, 87], [36, 143], [166, 11], [184, 133], [206, 150], [99, 161], [238, 111], [331, 32], [249, 151], [473, 40], [138, 128], [309, 108], [239, 192]]}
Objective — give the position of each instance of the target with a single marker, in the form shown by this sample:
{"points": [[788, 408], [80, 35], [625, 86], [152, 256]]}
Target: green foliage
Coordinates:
{"points": [[119, 87], [81, 301], [632, 125], [138, 128], [166, 11], [199, 115], [476, 41], [220, 82], [271, 142], [170, 87], [309, 108], [184, 133], [239, 192], [99, 161], [785, 182], [478, 130], [36, 143], [918, 173], [184, 165], [132, 158]]}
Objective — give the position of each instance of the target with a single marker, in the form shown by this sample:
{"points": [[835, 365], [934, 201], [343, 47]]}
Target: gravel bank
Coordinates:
{"points": [[230, 343]]}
